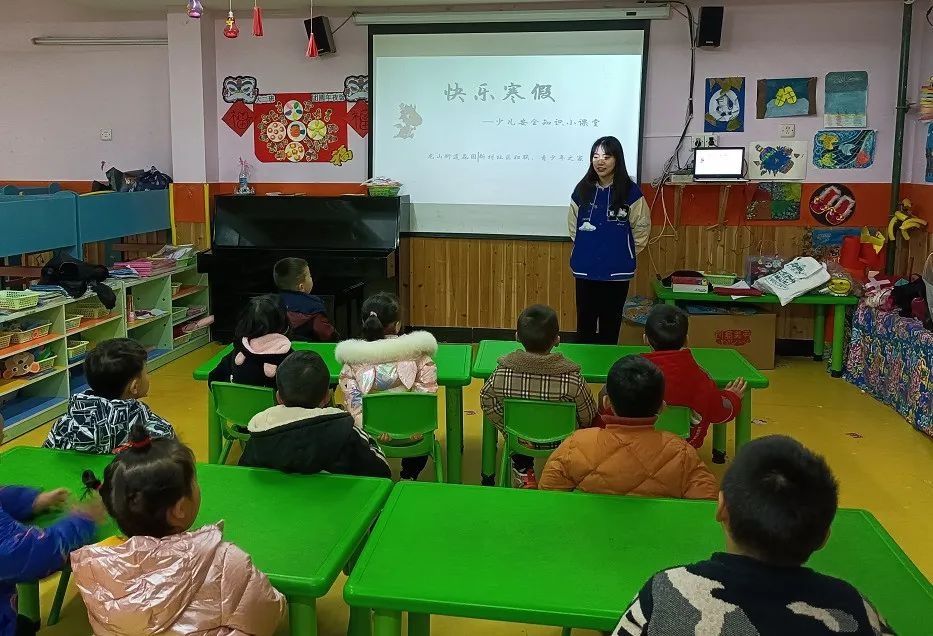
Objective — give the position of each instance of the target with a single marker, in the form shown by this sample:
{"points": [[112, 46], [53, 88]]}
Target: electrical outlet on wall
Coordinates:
{"points": [[706, 140], [788, 131], [106, 134]]}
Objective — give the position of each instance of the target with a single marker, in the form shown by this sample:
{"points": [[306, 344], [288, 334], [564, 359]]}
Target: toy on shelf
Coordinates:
{"points": [[904, 220], [20, 364]]}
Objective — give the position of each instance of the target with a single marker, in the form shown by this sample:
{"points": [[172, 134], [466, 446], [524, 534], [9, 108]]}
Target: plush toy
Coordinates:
{"points": [[18, 365]]}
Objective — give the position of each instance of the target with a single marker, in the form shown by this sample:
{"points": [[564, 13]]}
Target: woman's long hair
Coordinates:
{"points": [[621, 181]]}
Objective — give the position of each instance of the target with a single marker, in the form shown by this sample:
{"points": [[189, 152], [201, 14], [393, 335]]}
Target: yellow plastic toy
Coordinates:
{"points": [[904, 220]]}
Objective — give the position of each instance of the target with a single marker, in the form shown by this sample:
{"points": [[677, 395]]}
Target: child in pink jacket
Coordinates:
{"points": [[166, 578], [385, 361]]}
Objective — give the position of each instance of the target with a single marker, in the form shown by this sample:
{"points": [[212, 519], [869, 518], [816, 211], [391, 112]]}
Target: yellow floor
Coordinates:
{"points": [[882, 465]]}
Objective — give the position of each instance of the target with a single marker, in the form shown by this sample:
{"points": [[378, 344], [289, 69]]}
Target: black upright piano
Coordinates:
{"points": [[351, 242]]}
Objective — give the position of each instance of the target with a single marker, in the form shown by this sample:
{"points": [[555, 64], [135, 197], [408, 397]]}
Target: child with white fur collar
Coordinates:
{"points": [[385, 361]]}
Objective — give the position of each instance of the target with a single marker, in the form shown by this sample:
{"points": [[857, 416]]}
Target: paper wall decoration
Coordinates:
{"points": [[725, 105], [242, 88], [846, 100], [358, 118], [239, 117], [832, 204], [786, 97], [844, 149], [775, 201], [356, 88], [296, 129], [777, 161], [929, 178]]}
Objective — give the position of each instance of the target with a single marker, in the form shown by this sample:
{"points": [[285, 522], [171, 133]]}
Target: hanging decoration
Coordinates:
{"points": [[257, 19], [195, 9], [312, 45], [231, 30]]}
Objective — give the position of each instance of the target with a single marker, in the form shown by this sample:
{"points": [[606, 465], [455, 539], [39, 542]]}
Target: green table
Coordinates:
{"points": [[301, 530], [577, 560], [723, 365], [819, 302], [453, 373]]}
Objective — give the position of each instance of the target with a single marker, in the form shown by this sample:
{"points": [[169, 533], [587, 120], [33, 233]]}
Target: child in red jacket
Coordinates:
{"points": [[686, 383]]}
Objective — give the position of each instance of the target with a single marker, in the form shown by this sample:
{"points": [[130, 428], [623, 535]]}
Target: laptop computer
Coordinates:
{"points": [[719, 164]]}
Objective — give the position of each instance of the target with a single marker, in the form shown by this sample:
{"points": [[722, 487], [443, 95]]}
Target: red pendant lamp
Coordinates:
{"points": [[257, 19], [312, 45]]}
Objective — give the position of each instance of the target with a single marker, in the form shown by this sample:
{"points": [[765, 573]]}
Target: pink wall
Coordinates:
{"points": [[778, 39], [56, 99]]}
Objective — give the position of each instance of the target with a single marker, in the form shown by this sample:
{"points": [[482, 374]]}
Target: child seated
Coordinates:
{"points": [[536, 373], [303, 434], [259, 345], [687, 384], [385, 361], [306, 312], [629, 456], [28, 554], [777, 502], [166, 578], [99, 420]]}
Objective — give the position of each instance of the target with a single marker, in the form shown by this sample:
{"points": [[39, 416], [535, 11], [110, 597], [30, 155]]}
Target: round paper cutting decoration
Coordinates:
{"points": [[832, 204], [317, 130], [275, 131], [294, 152], [293, 110], [297, 131], [725, 106]]}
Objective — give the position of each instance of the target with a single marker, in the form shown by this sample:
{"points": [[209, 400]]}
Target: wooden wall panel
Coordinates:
{"points": [[486, 283]]}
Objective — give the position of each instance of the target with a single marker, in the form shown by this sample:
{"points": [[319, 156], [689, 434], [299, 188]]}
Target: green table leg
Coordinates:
{"points": [[387, 623], [454, 421], [28, 600], [819, 331], [719, 443], [360, 622], [214, 434], [419, 624], [490, 438], [743, 423], [839, 331], [302, 616]]}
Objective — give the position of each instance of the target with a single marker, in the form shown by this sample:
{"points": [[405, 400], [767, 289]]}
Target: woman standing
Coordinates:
{"points": [[609, 225]]}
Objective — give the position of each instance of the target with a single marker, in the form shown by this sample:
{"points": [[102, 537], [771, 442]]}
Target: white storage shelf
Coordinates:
{"points": [[32, 400]]}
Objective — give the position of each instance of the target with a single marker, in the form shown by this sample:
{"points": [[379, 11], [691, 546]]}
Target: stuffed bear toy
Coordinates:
{"points": [[18, 365]]}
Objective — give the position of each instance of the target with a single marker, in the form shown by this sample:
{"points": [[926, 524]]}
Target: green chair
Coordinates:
{"points": [[236, 404], [537, 422], [400, 416], [676, 420]]}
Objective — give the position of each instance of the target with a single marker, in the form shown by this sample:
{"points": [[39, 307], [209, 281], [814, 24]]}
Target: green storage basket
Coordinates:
{"points": [[384, 190], [18, 300], [76, 348], [73, 322]]}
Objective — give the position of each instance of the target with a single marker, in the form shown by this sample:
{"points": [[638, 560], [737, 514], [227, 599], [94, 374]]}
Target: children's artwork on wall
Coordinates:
{"points": [[930, 154], [358, 118], [725, 104], [825, 244], [846, 100], [786, 97], [777, 161], [295, 129], [775, 201], [239, 117], [832, 204], [356, 88], [844, 149], [240, 88]]}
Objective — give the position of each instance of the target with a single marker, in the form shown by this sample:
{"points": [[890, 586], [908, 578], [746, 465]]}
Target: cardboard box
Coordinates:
{"points": [[751, 335]]}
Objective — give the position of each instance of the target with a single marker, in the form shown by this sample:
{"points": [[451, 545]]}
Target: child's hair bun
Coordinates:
{"points": [[138, 439]]}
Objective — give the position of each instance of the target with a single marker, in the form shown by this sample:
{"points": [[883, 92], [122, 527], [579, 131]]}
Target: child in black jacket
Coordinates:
{"points": [[259, 345], [303, 435]]}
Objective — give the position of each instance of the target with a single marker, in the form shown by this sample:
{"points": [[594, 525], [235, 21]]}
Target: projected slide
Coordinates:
{"points": [[493, 142]]}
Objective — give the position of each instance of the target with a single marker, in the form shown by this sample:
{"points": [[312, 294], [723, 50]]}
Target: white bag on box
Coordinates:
{"points": [[795, 279]]}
